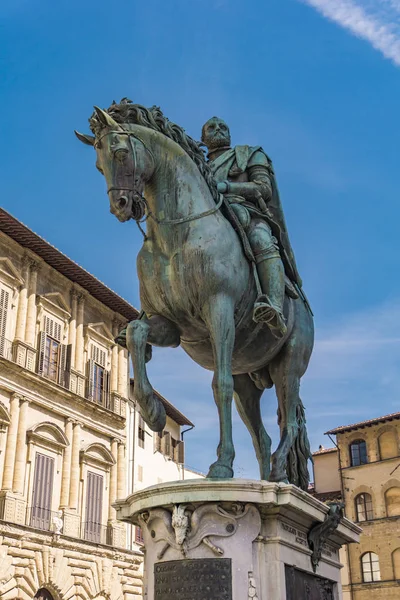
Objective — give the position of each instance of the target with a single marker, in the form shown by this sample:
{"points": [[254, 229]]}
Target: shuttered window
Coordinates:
{"points": [[158, 441], [139, 536], [52, 356], [98, 376], [94, 507], [42, 492], [141, 432], [4, 303]]}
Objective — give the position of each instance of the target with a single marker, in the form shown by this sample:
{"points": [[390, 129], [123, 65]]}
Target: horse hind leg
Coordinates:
{"points": [[289, 461], [247, 398]]}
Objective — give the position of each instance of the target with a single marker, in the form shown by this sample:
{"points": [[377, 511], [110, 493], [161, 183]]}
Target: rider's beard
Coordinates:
{"points": [[217, 141]]}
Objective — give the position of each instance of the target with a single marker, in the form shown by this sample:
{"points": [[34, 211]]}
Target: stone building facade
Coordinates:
{"points": [[363, 469], [65, 411]]}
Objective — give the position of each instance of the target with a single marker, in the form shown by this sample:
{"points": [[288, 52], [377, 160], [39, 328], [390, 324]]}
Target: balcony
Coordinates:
{"points": [[54, 369], [47, 520]]}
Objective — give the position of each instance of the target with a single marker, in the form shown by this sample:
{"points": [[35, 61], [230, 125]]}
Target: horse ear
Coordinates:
{"points": [[106, 119], [86, 139]]}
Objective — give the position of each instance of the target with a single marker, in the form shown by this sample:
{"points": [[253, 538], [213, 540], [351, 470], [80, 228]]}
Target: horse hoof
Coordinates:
{"points": [[157, 419], [219, 471], [279, 477]]}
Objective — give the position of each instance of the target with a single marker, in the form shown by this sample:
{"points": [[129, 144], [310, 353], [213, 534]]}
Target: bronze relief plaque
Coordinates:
{"points": [[193, 579], [305, 586]]}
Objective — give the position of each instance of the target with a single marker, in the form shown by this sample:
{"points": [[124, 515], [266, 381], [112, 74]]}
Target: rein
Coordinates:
{"points": [[187, 219]]}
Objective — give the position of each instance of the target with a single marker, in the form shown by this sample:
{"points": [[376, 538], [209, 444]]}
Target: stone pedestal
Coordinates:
{"points": [[237, 539]]}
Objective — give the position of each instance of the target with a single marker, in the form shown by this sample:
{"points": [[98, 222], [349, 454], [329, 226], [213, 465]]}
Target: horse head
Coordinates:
{"points": [[125, 162]]}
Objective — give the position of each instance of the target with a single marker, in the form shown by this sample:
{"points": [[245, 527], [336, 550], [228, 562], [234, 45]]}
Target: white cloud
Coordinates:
{"points": [[376, 21]]}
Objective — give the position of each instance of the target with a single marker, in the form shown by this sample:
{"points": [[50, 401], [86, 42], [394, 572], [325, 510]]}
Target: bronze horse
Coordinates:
{"points": [[197, 288]]}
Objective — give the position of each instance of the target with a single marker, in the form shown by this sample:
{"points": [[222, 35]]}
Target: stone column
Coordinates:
{"points": [[122, 372], [75, 471], [66, 467], [121, 471], [79, 334], [11, 443], [113, 481], [23, 302], [20, 454], [114, 359], [72, 326], [30, 328]]}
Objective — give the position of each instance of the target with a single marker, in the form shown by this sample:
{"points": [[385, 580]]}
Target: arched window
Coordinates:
{"points": [[364, 510], [388, 445], [358, 453], [392, 498], [396, 563], [370, 567]]}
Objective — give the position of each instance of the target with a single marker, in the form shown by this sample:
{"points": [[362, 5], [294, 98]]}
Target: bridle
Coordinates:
{"points": [[138, 195]]}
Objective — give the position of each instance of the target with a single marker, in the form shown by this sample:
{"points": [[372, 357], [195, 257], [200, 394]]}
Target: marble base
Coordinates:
{"points": [[234, 540]]}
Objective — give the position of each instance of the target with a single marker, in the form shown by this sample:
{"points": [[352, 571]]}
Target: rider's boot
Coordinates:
{"points": [[268, 307]]}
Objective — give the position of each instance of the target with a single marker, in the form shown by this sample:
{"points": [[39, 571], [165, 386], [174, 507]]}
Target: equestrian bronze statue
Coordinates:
{"points": [[217, 275]]}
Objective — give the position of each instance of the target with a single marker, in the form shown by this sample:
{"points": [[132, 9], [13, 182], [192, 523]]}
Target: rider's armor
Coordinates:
{"points": [[245, 176]]}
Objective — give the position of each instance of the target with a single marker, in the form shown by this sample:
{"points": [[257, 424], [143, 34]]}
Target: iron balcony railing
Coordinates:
{"points": [[47, 520], [95, 532], [44, 519]]}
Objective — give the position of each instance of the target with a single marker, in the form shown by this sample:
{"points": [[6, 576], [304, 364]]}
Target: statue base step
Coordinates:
{"points": [[237, 539]]}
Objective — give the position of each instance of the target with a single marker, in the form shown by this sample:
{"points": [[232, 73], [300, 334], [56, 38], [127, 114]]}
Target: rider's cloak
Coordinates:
{"points": [[231, 165]]}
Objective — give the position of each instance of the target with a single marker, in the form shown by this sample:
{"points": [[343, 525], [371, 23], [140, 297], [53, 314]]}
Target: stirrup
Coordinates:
{"points": [[263, 312]]}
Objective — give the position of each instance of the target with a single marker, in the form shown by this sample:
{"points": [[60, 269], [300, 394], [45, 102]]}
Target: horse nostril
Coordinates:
{"points": [[122, 202]]}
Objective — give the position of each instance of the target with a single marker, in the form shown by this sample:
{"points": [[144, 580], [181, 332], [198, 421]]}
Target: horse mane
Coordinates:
{"points": [[153, 118]]}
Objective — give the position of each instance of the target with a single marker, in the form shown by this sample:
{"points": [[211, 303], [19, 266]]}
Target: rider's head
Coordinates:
{"points": [[215, 134]]}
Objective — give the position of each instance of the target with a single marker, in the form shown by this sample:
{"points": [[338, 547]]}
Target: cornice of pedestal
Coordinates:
{"points": [[272, 499]]}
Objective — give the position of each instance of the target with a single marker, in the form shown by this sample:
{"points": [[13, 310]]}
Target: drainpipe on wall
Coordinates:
{"points": [[182, 434], [344, 502]]}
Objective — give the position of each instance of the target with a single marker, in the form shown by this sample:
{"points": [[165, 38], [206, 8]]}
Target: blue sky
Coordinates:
{"points": [[316, 83]]}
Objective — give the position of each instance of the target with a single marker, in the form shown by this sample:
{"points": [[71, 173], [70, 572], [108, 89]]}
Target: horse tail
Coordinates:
{"points": [[299, 453]]}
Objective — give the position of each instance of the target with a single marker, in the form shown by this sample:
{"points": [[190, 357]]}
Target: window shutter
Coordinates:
{"points": [[42, 351], [94, 507], [4, 299], [90, 379], [106, 390], [52, 328], [42, 492], [98, 355], [139, 536], [181, 453], [62, 364], [68, 361], [166, 444], [157, 441]]}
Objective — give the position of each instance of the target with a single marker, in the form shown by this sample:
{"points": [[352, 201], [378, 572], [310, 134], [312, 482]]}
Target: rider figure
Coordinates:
{"points": [[245, 176]]}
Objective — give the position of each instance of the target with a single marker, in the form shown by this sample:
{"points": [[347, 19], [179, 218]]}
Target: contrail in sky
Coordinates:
{"points": [[376, 21]]}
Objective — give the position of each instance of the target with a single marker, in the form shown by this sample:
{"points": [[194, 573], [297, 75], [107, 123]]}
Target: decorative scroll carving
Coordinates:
{"points": [[186, 529], [319, 533]]}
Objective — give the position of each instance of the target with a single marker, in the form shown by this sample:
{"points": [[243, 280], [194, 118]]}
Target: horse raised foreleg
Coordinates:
{"points": [[159, 332], [247, 397], [220, 320]]}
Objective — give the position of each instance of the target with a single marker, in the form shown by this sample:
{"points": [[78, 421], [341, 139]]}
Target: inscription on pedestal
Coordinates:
{"points": [[305, 586], [193, 579]]}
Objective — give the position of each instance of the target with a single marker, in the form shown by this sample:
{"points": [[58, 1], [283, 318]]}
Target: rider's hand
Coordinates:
{"points": [[222, 187]]}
